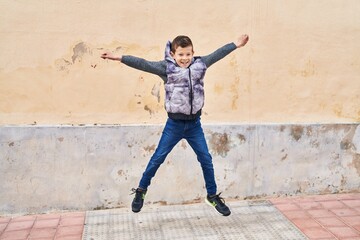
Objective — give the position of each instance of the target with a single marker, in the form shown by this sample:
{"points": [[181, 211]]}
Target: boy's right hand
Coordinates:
{"points": [[110, 56], [242, 40]]}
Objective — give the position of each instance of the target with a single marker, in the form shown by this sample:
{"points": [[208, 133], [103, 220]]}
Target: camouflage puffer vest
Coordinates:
{"points": [[185, 86]]}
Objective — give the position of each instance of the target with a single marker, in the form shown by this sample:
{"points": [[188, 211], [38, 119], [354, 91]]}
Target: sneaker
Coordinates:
{"points": [[218, 203], [138, 201]]}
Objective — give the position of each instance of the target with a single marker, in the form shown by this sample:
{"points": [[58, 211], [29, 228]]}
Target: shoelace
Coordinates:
{"points": [[219, 199], [133, 190], [138, 194]]}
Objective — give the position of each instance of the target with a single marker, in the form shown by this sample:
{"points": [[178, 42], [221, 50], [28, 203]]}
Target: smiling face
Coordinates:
{"points": [[183, 56]]}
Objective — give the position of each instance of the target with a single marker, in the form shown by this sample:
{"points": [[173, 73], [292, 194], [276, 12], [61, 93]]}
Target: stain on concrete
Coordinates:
{"points": [[11, 144], [218, 89], [346, 144], [343, 180], [309, 131], [196, 200], [147, 108], [60, 139], [183, 144], [162, 203], [234, 88], [155, 91], [284, 157], [307, 70], [242, 138], [315, 143], [220, 144], [356, 162], [80, 50], [150, 148], [356, 140], [297, 132], [62, 64], [121, 172], [282, 128]]}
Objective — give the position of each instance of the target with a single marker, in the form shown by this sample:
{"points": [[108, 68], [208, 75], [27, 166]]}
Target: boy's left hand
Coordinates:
{"points": [[242, 40]]}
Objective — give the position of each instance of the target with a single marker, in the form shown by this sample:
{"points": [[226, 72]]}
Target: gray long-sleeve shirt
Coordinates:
{"points": [[159, 67]]}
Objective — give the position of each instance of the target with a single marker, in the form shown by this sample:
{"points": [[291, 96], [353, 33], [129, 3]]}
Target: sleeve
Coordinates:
{"points": [[154, 67], [218, 54]]}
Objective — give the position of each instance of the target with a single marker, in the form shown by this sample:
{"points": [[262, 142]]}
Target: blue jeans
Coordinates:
{"points": [[174, 131]]}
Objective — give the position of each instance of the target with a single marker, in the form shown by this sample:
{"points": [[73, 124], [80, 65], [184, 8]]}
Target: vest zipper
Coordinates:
{"points": [[191, 93]]}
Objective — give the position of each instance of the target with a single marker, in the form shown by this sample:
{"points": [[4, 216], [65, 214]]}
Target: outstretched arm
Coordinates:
{"points": [[155, 67], [225, 50]]}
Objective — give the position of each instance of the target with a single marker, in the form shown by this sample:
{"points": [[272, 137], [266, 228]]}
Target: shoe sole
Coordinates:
{"points": [[209, 203]]}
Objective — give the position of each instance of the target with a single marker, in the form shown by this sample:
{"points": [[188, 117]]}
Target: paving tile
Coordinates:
{"points": [[5, 220], [73, 214], [320, 213], [295, 214], [21, 234], [14, 226], [303, 199], [332, 204], [48, 216], [2, 227], [331, 221], [357, 227], [342, 212], [349, 196], [76, 237], [71, 221], [42, 232], [280, 200], [41, 238], [350, 238], [69, 230], [287, 207], [342, 232], [24, 218], [328, 238], [352, 203], [309, 205], [303, 223], [352, 220], [47, 223], [317, 233], [328, 197]]}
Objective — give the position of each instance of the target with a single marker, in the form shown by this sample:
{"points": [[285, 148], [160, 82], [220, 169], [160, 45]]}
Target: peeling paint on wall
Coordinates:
{"points": [[80, 50], [219, 144], [297, 132], [356, 163]]}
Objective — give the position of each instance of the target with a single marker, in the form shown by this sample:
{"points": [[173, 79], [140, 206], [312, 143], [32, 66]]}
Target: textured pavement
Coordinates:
{"points": [[334, 216]]}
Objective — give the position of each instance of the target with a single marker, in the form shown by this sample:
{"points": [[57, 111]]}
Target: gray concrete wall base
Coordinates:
{"points": [[45, 168]]}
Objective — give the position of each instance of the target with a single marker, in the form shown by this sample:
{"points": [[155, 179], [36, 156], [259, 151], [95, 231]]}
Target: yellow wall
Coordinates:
{"points": [[302, 63]]}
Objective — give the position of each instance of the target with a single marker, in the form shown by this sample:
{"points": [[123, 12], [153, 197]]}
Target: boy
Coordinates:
{"points": [[183, 76]]}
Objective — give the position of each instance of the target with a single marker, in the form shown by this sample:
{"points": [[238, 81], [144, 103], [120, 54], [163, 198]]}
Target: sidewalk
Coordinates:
{"points": [[335, 216]]}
